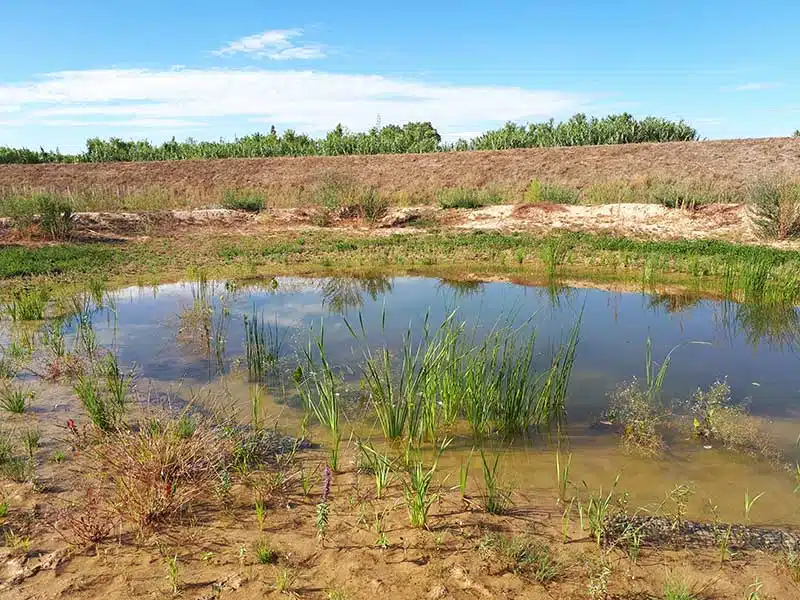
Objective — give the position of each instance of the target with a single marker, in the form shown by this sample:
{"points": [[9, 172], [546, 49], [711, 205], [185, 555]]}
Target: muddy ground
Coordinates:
{"points": [[215, 543]]}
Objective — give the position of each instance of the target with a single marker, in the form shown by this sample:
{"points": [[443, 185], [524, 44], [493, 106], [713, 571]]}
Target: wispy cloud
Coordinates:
{"points": [[310, 101], [753, 86], [276, 44]]}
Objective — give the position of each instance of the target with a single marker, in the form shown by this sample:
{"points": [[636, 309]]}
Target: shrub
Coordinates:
{"points": [[245, 200], [796, 133], [551, 193], [673, 195], [775, 208], [467, 198], [56, 217], [640, 416], [156, 473]]}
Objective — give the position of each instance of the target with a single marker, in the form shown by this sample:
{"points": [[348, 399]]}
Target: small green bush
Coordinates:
{"points": [[551, 193], [56, 216], [796, 133], [468, 198], [673, 195], [247, 201], [775, 208]]}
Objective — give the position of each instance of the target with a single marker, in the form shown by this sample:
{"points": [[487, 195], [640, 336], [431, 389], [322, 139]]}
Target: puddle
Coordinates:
{"points": [[192, 334]]}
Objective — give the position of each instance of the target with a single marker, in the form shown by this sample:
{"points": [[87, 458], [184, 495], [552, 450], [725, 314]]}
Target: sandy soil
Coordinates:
{"points": [[215, 546], [729, 222], [727, 164]]}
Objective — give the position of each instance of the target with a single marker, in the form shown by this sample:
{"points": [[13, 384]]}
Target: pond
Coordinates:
{"points": [[192, 334]]}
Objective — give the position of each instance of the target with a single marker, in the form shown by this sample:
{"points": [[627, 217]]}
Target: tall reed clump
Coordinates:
{"points": [[263, 344], [446, 375], [28, 304], [775, 208], [106, 407], [417, 486], [319, 388]]}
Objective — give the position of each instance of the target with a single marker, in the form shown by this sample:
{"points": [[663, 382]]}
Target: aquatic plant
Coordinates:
{"points": [[318, 387], [28, 304], [30, 440], [748, 504], [497, 495], [562, 476], [417, 489], [103, 412], [380, 465], [263, 345], [118, 384], [598, 512]]}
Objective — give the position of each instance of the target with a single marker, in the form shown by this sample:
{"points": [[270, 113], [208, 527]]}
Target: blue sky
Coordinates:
{"points": [[146, 69]]}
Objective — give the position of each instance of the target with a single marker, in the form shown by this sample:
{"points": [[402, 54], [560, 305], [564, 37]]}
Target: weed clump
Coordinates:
{"points": [[156, 473], [467, 198], [775, 208], [523, 555], [243, 200], [640, 417], [716, 420], [550, 193]]}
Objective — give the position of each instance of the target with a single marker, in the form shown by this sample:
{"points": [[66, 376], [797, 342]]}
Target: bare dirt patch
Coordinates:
{"points": [[728, 164]]}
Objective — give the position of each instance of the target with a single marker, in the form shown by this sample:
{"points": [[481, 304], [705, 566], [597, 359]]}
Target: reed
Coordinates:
{"points": [[263, 345], [28, 304], [418, 496], [496, 495], [318, 386]]}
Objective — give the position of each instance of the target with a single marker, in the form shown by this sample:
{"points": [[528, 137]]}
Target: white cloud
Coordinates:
{"points": [[707, 121], [309, 101], [276, 44], [753, 86], [157, 123]]}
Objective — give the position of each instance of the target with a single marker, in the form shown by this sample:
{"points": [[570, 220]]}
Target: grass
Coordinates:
{"points": [[14, 400], [265, 555], [705, 264], [104, 412], [244, 200], [775, 208], [467, 198], [417, 489], [524, 555], [28, 304], [496, 495], [551, 193]]}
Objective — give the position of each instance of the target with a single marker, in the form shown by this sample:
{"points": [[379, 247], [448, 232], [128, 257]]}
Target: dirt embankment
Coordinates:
{"points": [[729, 164]]}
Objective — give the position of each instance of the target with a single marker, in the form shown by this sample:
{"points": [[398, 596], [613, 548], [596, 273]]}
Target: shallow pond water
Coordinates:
{"points": [[192, 334]]}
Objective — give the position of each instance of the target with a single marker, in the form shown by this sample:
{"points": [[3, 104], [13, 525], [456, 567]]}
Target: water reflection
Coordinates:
{"points": [[344, 294]]}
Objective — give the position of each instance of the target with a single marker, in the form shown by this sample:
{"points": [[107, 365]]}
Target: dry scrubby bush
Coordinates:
{"points": [[775, 208], [467, 198], [88, 521], [552, 193], [157, 472], [54, 214], [345, 200]]}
